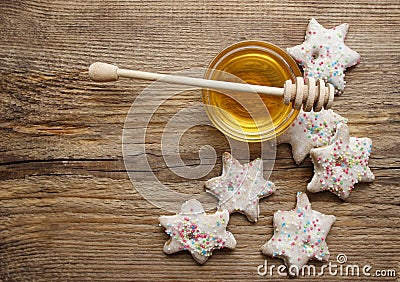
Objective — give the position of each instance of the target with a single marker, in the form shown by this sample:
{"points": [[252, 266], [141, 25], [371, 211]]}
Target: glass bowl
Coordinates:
{"points": [[250, 117]]}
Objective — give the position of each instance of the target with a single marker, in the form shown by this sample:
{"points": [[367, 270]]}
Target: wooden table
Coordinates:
{"points": [[69, 211]]}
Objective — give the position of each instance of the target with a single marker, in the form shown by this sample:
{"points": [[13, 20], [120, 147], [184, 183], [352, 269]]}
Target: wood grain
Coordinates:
{"points": [[68, 209]]}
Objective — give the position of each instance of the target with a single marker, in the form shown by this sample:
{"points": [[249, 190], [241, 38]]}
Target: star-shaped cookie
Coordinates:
{"points": [[339, 166], [197, 232], [310, 130], [240, 187], [299, 235], [324, 55]]}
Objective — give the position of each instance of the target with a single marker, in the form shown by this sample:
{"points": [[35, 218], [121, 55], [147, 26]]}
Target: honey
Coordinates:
{"points": [[251, 117]]}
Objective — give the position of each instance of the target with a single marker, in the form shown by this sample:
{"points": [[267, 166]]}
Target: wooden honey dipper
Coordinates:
{"points": [[315, 94]]}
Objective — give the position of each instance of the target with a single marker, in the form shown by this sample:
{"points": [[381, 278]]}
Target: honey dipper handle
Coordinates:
{"points": [[314, 95], [102, 72]]}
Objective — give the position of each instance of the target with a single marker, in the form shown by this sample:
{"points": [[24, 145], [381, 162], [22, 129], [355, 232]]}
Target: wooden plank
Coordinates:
{"points": [[68, 209]]}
